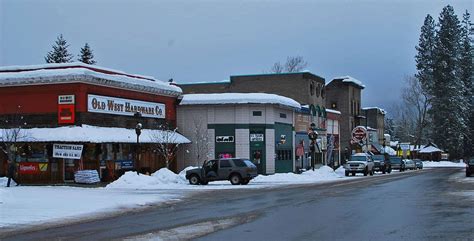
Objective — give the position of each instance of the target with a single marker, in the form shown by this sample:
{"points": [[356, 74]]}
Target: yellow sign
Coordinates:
{"points": [[43, 167]]}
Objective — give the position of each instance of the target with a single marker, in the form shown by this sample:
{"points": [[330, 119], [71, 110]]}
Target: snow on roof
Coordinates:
{"points": [[349, 79], [430, 149], [96, 134], [378, 108], [238, 98], [80, 72], [333, 111], [207, 82]]}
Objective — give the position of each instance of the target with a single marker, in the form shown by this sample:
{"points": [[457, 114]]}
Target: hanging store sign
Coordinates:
{"points": [[67, 151], [119, 106], [224, 138], [256, 137], [66, 112]]}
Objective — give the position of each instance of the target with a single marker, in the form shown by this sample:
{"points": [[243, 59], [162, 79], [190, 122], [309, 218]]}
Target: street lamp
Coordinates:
{"points": [[138, 131], [312, 135]]}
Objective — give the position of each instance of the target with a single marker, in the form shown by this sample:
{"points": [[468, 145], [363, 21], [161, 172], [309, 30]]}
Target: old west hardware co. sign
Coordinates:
{"points": [[119, 106]]}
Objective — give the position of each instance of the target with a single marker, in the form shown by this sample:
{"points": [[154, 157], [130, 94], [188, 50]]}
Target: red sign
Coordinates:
{"points": [[66, 114], [29, 168], [359, 133]]}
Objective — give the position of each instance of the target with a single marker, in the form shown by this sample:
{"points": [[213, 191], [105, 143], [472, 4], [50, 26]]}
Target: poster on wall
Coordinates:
{"points": [[67, 151]]}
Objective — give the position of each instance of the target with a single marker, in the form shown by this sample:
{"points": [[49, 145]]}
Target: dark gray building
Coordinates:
{"points": [[304, 87]]}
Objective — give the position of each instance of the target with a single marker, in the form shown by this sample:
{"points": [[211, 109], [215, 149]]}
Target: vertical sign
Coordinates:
{"points": [[66, 111]]}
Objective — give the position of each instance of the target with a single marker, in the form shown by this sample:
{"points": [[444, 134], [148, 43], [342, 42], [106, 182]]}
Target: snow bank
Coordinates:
{"points": [[429, 164], [322, 174], [161, 179]]}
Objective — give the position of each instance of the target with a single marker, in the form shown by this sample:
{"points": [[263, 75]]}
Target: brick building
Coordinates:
{"points": [[376, 119], [344, 94], [87, 108]]}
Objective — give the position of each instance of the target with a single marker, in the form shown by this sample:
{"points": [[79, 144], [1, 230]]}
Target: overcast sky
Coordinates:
{"points": [[190, 41]]}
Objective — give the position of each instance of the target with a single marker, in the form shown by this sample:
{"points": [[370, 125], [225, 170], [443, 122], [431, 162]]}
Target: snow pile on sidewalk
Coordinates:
{"points": [[322, 174], [163, 178], [429, 164]]}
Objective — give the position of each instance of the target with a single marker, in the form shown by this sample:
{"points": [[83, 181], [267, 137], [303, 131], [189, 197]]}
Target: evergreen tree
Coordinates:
{"points": [[86, 55], [424, 57], [466, 73], [59, 54], [447, 90]]}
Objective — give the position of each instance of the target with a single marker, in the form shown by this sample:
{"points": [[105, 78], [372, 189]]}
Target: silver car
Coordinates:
{"points": [[360, 163], [409, 164]]}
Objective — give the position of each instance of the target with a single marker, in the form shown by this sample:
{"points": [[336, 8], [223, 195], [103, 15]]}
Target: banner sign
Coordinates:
{"points": [[32, 167], [119, 106], [67, 151]]}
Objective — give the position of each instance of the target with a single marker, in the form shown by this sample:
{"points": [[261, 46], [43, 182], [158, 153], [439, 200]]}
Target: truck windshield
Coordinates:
{"points": [[395, 160], [358, 158], [378, 157]]}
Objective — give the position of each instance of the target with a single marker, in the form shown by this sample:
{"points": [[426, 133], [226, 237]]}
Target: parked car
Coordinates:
{"points": [[418, 163], [409, 164], [236, 170], [397, 163], [381, 164], [470, 167], [360, 163]]}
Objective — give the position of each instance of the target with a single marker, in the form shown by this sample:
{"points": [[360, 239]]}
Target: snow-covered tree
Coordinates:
{"points": [[86, 56], [200, 142], [424, 57], [416, 101], [466, 75], [12, 132], [448, 103], [166, 146], [59, 54]]}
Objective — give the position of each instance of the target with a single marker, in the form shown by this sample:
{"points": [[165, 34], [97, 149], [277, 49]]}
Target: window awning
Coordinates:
{"points": [[96, 134]]}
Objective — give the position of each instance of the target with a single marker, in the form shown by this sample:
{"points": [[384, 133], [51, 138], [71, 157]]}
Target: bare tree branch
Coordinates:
{"points": [[295, 64], [166, 145]]}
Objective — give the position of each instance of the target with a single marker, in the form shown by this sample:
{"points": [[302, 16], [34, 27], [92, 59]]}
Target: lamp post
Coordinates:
{"points": [[312, 135], [138, 131]]}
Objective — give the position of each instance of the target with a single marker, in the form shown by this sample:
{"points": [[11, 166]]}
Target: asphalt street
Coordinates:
{"points": [[416, 205]]}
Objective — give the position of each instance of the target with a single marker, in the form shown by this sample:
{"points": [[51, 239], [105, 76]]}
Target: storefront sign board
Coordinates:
{"points": [[256, 137], [127, 107], [67, 151]]}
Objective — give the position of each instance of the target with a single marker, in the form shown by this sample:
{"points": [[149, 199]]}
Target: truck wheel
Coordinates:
{"points": [[235, 179], [347, 173], [383, 171], [366, 172], [194, 180], [353, 174]]}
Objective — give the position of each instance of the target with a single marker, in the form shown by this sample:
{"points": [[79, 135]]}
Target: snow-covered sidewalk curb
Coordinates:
{"points": [[432, 164]]}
